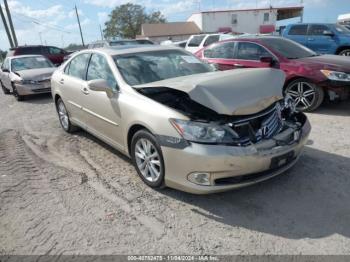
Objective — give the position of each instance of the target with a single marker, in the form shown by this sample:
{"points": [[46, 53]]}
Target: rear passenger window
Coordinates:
{"points": [[196, 40], [99, 69], [77, 67], [298, 30], [221, 50], [251, 51], [318, 29], [29, 51]]}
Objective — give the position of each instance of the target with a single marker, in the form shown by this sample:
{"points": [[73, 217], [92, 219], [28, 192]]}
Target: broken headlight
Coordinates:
{"points": [[199, 132]]}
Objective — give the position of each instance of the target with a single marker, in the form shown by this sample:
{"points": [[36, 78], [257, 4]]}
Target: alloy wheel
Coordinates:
{"points": [[345, 52], [148, 160], [63, 115], [303, 94]]}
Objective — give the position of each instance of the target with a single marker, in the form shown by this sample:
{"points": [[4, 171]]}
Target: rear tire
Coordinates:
{"points": [[345, 52], [64, 117], [307, 96], [4, 89], [148, 159]]}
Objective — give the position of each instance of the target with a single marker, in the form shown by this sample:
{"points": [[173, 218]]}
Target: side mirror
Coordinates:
{"points": [[269, 60], [328, 33], [100, 85]]}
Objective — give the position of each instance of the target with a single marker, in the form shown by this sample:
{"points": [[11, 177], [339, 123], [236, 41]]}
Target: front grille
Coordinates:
{"points": [[261, 126]]}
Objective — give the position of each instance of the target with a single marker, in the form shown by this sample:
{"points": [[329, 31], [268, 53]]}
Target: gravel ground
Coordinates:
{"points": [[72, 194]]}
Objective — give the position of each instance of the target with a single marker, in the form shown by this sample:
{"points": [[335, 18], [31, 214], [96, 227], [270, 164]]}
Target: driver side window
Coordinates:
{"points": [[99, 69]]}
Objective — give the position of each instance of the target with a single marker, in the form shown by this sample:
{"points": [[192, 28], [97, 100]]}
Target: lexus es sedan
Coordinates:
{"points": [[310, 78], [26, 75], [183, 125]]}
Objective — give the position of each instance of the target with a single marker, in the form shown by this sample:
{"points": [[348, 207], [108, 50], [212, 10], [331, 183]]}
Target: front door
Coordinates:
{"points": [[103, 112]]}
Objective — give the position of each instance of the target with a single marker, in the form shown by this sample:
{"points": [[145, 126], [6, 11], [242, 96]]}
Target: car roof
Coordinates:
{"points": [[120, 50], [23, 56]]}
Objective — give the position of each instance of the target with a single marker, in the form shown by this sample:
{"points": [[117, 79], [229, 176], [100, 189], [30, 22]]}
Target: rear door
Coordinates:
{"points": [[73, 87], [5, 76], [103, 112], [298, 33], [221, 55], [248, 55], [320, 43]]}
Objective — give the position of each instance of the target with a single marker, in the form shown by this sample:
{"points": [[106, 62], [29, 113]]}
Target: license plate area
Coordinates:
{"points": [[282, 160]]}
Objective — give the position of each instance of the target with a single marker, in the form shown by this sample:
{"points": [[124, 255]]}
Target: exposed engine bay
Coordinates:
{"points": [[246, 129]]}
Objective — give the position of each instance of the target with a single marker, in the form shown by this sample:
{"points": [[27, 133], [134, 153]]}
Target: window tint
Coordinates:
{"points": [[99, 69], [29, 51], [298, 30], [211, 39], [317, 29], [196, 40], [221, 50], [54, 50], [77, 66], [251, 51]]}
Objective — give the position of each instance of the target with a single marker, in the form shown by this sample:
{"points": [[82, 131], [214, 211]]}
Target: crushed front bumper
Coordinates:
{"points": [[232, 167], [31, 89]]}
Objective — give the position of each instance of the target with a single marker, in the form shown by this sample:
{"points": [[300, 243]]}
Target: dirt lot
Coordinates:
{"points": [[71, 194]]}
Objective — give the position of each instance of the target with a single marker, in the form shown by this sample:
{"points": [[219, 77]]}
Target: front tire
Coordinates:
{"points": [[345, 52], [4, 89], [307, 96], [64, 117], [148, 158], [15, 93]]}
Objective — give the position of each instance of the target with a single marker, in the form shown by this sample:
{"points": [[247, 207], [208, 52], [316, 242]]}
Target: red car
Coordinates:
{"points": [[310, 78], [54, 54]]}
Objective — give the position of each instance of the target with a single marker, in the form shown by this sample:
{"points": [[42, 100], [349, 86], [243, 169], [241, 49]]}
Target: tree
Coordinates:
{"points": [[126, 20]]}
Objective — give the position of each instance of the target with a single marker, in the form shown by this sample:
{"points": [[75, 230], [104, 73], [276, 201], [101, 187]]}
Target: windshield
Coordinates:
{"points": [[287, 48], [342, 29], [32, 62], [146, 67]]}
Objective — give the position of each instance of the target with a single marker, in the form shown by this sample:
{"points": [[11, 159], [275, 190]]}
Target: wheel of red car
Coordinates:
{"points": [[345, 52], [307, 96]]}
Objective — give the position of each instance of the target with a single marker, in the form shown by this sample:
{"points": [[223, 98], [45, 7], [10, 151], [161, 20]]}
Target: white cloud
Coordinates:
{"points": [[102, 17]]}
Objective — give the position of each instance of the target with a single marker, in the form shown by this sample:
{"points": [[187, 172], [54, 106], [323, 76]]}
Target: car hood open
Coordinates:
{"points": [[232, 92]]}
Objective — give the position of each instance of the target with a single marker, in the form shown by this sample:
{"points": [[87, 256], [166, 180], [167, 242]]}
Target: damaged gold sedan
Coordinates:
{"points": [[183, 124]]}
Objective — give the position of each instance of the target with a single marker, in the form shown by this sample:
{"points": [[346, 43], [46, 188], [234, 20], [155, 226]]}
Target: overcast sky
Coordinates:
{"points": [[55, 21]]}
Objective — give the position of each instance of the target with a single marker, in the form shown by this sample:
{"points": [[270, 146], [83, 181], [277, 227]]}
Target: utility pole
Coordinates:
{"points": [[6, 27], [10, 23], [302, 11], [81, 33], [101, 33]]}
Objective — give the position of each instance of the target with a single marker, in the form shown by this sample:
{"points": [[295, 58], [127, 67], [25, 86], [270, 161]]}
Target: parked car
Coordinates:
{"points": [[105, 43], [55, 54], [197, 42], [321, 38], [309, 77], [26, 75], [162, 106]]}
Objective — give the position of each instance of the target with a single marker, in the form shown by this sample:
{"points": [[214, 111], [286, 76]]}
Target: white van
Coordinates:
{"points": [[197, 42]]}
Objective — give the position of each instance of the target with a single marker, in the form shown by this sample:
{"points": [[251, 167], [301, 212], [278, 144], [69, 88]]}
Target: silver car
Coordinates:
{"points": [[183, 125], [26, 75]]}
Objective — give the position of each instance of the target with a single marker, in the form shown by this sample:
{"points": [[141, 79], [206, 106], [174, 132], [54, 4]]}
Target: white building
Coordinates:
{"points": [[251, 21], [344, 19]]}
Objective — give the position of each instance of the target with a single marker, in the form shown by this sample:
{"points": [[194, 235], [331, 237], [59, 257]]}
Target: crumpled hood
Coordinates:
{"points": [[38, 74], [232, 92]]}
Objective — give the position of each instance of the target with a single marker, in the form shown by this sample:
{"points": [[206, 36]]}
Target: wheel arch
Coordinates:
{"points": [[133, 129]]}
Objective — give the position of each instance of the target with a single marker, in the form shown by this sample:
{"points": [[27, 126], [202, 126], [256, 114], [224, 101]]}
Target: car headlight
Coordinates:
{"points": [[209, 133], [26, 82], [336, 76]]}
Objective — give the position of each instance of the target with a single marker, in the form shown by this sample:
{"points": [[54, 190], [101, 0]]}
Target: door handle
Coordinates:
{"points": [[238, 65], [85, 90], [61, 81]]}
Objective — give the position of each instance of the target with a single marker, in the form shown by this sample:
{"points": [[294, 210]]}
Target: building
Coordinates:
{"points": [[252, 21], [344, 19], [176, 31]]}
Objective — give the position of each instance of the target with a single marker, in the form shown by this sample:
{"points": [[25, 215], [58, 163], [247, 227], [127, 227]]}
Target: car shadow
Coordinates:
{"points": [[312, 200], [335, 109], [38, 99]]}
